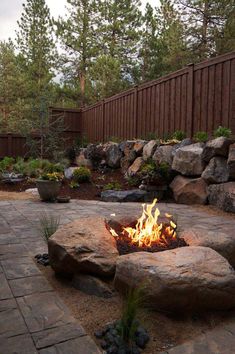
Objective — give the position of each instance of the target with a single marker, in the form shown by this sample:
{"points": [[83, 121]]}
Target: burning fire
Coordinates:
{"points": [[148, 231]]}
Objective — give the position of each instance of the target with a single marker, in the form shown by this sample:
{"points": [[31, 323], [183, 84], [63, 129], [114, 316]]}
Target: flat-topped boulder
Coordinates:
{"points": [[186, 278], [221, 242], [222, 196], [216, 147], [188, 160], [83, 246], [189, 190], [133, 195]]}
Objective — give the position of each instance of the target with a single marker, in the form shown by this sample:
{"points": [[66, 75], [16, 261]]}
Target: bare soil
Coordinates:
{"points": [[166, 330]]}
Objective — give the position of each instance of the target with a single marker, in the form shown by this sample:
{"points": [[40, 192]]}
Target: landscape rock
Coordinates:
{"points": [[133, 195], [113, 155], [218, 146], [91, 285], [216, 171], [231, 162], [163, 154], [83, 246], [184, 142], [139, 146], [222, 196], [135, 168], [68, 172], [149, 149], [81, 160], [96, 153], [189, 190], [188, 160], [223, 243], [182, 279]]}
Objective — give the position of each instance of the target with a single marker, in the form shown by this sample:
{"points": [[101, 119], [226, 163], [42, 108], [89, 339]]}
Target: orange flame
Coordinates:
{"points": [[147, 230]]}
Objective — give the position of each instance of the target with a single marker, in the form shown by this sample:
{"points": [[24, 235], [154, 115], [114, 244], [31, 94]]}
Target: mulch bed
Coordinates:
{"points": [[86, 191]]}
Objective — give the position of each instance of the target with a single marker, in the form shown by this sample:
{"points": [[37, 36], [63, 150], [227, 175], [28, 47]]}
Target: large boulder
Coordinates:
{"points": [[222, 196], [186, 278], [163, 154], [83, 246], [149, 149], [216, 171], [218, 146], [223, 243], [135, 168], [231, 162], [113, 155], [139, 146], [95, 153], [188, 160], [189, 190], [184, 142]]}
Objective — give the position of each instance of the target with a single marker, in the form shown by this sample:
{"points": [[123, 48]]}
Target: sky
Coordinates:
{"points": [[10, 11]]}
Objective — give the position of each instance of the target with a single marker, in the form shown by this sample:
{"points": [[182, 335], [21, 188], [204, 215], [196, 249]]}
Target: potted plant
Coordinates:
{"points": [[48, 186]]}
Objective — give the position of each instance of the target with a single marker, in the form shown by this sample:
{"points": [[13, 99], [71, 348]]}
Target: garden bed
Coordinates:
{"points": [[85, 191]]}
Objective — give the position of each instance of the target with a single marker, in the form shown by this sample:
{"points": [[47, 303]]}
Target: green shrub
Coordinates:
{"points": [[6, 163], [201, 137], [82, 141], [150, 136], [164, 169], [179, 135], [222, 131], [81, 174], [48, 225], [113, 186]]}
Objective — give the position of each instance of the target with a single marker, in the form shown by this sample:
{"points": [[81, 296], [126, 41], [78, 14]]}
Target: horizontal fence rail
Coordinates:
{"points": [[196, 98]]}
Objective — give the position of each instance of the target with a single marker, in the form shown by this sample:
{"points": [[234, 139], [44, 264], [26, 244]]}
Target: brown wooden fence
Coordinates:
{"points": [[196, 98]]}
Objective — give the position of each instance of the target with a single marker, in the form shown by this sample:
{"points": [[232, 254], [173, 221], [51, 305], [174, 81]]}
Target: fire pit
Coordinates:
{"points": [[150, 233]]}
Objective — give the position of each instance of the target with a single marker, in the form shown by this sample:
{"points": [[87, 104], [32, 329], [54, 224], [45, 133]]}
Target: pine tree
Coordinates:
{"points": [[163, 45], [12, 87], [78, 36], [206, 21], [120, 33], [37, 52]]}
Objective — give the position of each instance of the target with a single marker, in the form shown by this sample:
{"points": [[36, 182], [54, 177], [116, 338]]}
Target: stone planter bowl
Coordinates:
{"points": [[48, 190]]}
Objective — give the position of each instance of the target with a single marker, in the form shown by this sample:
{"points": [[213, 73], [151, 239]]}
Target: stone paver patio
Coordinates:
{"points": [[33, 319]]}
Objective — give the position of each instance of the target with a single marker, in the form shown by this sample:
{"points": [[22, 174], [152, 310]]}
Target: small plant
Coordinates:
{"points": [[82, 141], [201, 137], [128, 324], [151, 136], [55, 176], [81, 175], [48, 225], [113, 186], [222, 131], [133, 181], [179, 135], [114, 139], [73, 185]]}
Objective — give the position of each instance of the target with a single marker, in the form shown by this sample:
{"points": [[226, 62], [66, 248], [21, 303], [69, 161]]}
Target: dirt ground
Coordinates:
{"points": [[165, 330]]}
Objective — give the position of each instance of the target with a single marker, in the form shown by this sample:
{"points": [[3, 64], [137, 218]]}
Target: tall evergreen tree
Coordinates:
{"points": [[78, 36], [37, 51], [120, 33], [12, 88], [205, 21]]}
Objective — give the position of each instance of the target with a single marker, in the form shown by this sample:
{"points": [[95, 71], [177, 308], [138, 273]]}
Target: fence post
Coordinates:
{"points": [[9, 145], [136, 110], [103, 119], [190, 99]]}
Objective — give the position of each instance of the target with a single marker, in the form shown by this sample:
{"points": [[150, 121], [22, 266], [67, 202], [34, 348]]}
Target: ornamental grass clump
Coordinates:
{"points": [[49, 224]]}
